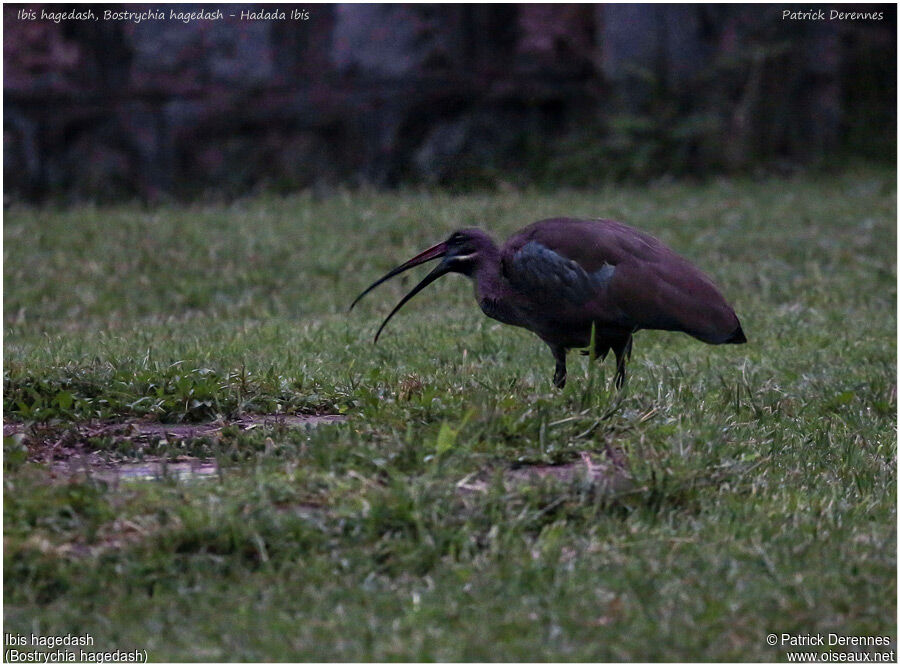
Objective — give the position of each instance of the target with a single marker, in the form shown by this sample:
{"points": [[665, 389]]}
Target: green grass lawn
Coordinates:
{"points": [[763, 491]]}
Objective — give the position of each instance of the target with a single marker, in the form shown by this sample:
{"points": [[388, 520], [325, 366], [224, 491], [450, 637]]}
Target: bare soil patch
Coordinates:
{"points": [[607, 470], [67, 445]]}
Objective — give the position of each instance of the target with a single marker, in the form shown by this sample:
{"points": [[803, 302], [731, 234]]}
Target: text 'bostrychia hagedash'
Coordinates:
{"points": [[564, 278]]}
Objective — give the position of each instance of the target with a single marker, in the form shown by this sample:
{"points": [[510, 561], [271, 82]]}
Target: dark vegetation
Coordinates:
{"points": [[465, 96]]}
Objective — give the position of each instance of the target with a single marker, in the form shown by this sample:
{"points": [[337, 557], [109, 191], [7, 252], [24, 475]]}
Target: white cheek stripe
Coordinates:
{"points": [[463, 257]]}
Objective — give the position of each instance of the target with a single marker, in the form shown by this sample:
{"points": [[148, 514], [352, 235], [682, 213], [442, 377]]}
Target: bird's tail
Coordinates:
{"points": [[737, 337]]}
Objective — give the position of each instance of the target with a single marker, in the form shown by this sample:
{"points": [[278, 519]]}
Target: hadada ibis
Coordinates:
{"points": [[565, 278]]}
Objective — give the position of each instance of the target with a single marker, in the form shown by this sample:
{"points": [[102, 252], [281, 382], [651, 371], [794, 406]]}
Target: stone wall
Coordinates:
{"points": [[437, 94]]}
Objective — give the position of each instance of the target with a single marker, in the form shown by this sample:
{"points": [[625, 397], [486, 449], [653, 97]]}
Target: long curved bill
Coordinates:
{"points": [[434, 252]]}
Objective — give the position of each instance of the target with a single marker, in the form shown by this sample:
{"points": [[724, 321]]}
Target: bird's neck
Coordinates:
{"points": [[487, 277], [491, 289]]}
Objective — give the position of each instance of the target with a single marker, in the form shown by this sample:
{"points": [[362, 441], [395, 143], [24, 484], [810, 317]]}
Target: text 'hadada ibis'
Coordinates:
{"points": [[569, 280]]}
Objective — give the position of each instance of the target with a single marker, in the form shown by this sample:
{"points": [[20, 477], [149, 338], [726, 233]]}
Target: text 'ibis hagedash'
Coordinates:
{"points": [[567, 279]]}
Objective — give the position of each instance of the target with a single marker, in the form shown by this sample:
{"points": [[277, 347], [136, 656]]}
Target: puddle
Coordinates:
{"points": [[148, 470], [65, 448]]}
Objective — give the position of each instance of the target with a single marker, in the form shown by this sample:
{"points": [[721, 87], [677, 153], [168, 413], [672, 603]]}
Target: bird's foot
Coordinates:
{"points": [[559, 379]]}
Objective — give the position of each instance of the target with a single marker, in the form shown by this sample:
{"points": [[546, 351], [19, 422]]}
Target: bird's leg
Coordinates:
{"points": [[620, 373], [559, 377], [623, 353]]}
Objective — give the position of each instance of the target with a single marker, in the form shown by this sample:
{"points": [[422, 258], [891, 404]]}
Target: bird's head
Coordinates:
{"points": [[461, 253], [465, 249]]}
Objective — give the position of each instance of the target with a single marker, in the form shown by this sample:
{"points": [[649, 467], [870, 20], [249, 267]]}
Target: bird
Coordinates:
{"points": [[580, 282]]}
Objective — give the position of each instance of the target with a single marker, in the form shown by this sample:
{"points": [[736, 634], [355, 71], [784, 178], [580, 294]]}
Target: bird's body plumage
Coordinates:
{"points": [[568, 279]]}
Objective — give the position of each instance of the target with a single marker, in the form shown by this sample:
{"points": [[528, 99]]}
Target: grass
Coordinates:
{"points": [[764, 494]]}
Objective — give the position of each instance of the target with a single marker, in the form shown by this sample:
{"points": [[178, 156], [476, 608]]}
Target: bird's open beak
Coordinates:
{"points": [[442, 268]]}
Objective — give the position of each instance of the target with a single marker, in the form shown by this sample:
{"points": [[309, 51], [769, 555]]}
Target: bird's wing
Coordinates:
{"points": [[548, 275], [612, 273]]}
